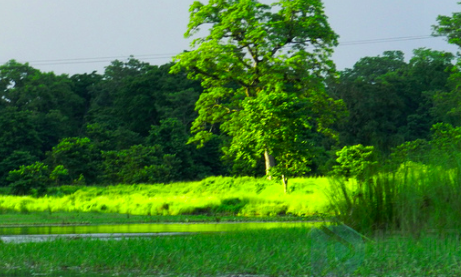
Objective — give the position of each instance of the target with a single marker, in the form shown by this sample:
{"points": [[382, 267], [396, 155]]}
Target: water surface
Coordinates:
{"points": [[149, 228], [119, 231]]}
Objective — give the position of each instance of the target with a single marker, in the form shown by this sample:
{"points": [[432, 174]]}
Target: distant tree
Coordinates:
{"points": [[59, 175], [448, 102], [84, 86], [126, 97], [262, 69], [20, 143], [140, 164], [28, 178], [14, 161], [389, 101], [355, 162], [107, 138], [57, 111], [79, 156], [450, 27]]}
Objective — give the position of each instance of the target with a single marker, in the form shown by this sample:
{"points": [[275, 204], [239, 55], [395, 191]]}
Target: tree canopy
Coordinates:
{"points": [[262, 68]]}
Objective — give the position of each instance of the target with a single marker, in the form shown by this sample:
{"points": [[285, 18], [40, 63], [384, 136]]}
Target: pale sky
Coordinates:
{"points": [[80, 36]]}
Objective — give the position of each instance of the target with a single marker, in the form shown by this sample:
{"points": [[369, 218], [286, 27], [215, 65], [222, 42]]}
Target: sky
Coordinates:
{"points": [[82, 36]]}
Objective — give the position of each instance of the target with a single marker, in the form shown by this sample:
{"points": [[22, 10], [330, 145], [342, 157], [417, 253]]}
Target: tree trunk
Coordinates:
{"points": [[285, 184], [270, 162]]}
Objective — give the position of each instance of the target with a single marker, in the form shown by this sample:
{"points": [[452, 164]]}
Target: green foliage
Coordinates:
{"points": [[444, 143], [419, 192], [20, 143], [355, 162], [416, 150], [391, 101], [139, 164], [28, 178], [172, 137], [57, 109], [448, 102], [14, 161], [446, 138], [80, 156], [262, 84], [18, 132], [449, 27], [112, 139], [59, 175]]}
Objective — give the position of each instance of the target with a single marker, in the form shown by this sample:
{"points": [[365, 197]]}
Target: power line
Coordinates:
{"points": [[170, 55], [385, 40], [100, 59]]}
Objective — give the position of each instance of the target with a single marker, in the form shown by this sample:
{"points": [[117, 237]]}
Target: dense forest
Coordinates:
{"points": [[132, 123]]}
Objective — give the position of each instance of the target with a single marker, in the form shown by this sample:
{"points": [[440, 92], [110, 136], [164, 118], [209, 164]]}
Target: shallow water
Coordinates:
{"points": [[43, 233], [149, 228]]}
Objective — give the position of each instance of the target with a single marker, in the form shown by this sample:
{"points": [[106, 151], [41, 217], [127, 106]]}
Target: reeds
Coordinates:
{"points": [[413, 199]]}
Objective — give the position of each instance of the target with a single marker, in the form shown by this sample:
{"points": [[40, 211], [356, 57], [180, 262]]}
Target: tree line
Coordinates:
{"points": [[253, 107]]}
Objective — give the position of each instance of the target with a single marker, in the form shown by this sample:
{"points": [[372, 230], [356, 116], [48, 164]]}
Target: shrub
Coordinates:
{"points": [[27, 178], [354, 162]]}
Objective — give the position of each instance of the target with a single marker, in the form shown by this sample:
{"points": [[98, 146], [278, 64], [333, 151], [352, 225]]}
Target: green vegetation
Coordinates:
{"points": [[243, 196], [266, 95], [275, 252], [262, 84], [260, 88]]}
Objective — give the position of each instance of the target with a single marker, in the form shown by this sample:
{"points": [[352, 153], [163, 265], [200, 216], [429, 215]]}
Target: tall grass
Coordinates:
{"points": [[243, 196], [413, 199]]}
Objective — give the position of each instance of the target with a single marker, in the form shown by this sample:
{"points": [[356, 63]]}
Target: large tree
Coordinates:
{"points": [[448, 104], [262, 69]]}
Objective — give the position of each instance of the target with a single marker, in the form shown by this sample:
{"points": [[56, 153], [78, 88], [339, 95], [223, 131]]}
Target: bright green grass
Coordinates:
{"points": [[276, 252], [243, 196]]}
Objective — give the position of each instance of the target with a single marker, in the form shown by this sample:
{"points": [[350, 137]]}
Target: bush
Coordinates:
{"points": [[354, 162], [28, 178]]}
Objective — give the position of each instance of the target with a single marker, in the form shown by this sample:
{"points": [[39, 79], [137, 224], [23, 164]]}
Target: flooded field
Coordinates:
{"points": [[43, 233]]}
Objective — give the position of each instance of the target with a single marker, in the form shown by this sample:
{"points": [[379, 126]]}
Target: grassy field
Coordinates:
{"points": [[276, 252], [409, 202], [223, 196]]}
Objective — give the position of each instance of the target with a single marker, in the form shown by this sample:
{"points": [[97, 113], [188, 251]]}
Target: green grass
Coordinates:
{"points": [[224, 196], [276, 252], [413, 199]]}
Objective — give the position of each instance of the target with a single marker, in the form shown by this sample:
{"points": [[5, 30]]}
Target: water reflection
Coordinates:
{"points": [[149, 228]]}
